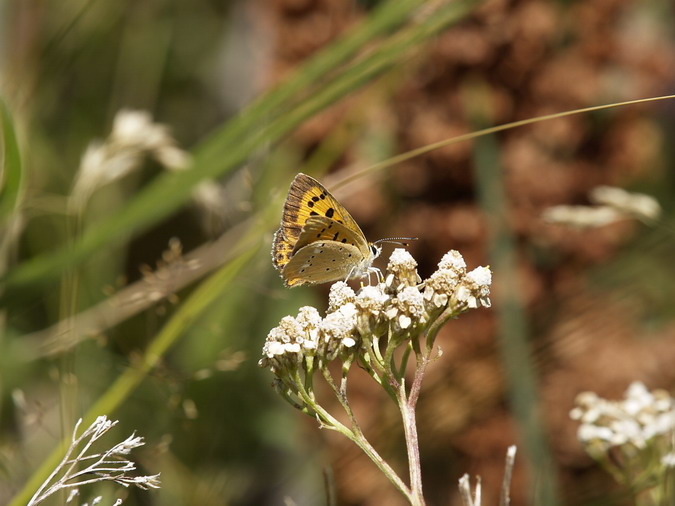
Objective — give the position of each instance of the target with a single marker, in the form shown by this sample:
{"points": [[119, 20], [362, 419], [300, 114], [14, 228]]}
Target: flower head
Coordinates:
{"points": [[391, 312], [633, 422], [401, 270], [134, 136], [339, 295], [637, 205]]}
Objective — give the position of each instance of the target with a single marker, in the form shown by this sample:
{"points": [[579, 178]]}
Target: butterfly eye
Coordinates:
{"points": [[375, 250]]}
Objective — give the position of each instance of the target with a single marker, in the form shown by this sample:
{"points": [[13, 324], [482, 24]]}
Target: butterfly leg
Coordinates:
{"points": [[349, 276], [378, 274]]}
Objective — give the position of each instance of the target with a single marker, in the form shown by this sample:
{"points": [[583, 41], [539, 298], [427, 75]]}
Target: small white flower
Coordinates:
{"points": [[406, 307], [629, 425], [401, 259], [339, 295], [588, 432], [637, 205], [582, 216], [402, 269], [341, 322], [481, 276], [348, 342], [453, 261], [668, 459], [337, 330], [292, 348], [371, 299], [404, 321]]}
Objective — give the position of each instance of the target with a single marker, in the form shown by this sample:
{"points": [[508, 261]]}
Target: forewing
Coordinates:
{"points": [[318, 228], [321, 262], [306, 198]]}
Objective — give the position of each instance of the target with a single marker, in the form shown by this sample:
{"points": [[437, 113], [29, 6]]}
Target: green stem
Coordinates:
{"points": [[329, 422]]}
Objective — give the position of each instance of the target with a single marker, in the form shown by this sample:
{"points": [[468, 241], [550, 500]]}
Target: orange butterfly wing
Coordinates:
{"points": [[308, 198]]}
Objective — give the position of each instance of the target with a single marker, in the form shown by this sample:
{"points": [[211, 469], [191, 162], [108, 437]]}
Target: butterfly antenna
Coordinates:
{"points": [[397, 240]]}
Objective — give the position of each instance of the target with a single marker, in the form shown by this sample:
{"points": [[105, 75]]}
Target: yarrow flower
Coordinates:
{"points": [[378, 328], [339, 295], [407, 307], [399, 308], [612, 204], [402, 270], [640, 417], [638, 205], [637, 432]]}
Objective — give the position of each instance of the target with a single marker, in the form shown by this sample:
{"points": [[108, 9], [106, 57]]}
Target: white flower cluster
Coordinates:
{"points": [[612, 204], [134, 135], [638, 205], [395, 307], [633, 423]]}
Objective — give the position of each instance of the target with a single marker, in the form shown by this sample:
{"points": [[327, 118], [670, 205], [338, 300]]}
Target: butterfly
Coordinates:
{"points": [[318, 240]]}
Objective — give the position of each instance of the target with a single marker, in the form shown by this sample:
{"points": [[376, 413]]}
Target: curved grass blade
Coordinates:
{"points": [[11, 168]]}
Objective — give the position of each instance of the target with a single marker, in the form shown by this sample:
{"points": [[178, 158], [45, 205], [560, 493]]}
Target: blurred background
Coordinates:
{"points": [[97, 284]]}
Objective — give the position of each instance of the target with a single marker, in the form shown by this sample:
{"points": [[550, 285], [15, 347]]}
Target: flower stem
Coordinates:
{"points": [[354, 434], [412, 445]]}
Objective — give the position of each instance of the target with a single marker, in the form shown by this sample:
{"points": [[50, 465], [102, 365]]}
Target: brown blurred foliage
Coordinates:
{"points": [[533, 57]]}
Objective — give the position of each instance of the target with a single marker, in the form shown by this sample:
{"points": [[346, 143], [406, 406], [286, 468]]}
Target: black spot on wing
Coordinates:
{"points": [[330, 212], [314, 213]]}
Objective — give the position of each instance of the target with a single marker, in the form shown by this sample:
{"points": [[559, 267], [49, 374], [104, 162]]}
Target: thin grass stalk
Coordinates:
{"points": [[11, 167], [512, 322]]}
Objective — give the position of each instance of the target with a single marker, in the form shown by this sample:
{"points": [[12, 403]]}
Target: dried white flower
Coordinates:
{"points": [[133, 137], [582, 216], [84, 468], [637, 205], [614, 204]]}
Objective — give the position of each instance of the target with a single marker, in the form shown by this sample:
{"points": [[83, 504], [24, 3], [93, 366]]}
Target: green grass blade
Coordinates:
{"points": [[11, 168], [512, 321], [276, 102]]}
